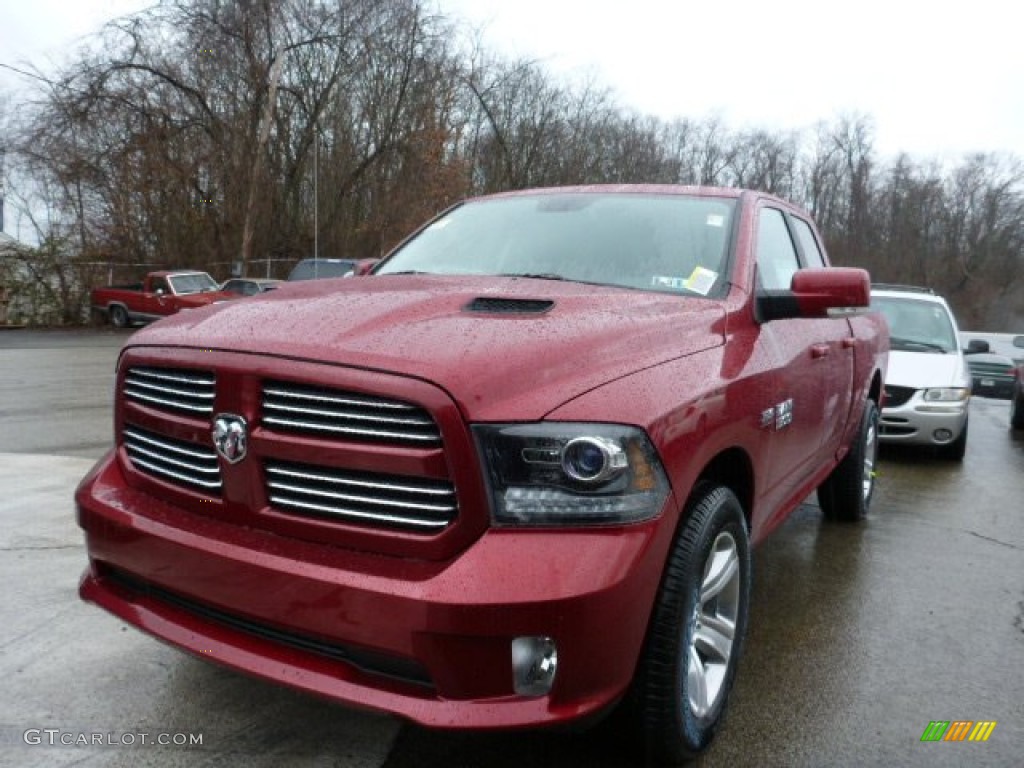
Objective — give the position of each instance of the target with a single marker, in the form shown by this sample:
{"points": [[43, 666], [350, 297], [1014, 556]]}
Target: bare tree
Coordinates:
{"points": [[213, 133]]}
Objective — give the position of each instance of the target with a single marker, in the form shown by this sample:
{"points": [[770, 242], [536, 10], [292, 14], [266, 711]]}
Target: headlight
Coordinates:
{"points": [[945, 395], [570, 474]]}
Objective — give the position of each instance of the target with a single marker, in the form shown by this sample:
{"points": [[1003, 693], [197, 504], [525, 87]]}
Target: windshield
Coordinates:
{"points": [[196, 282], [668, 243], [917, 326]]}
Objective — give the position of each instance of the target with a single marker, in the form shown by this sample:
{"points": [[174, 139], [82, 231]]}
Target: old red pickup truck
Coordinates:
{"points": [[512, 477], [159, 295]]}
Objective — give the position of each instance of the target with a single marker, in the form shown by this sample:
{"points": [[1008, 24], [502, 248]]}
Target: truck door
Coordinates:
{"points": [[835, 346], [811, 359], [155, 297]]}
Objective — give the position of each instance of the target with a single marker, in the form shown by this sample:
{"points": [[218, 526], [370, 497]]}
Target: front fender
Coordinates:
{"points": [[694, 409]]}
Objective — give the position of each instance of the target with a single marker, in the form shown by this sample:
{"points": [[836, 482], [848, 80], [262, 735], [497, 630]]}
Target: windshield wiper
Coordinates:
{"points": [[914, 343], [534, 275]]}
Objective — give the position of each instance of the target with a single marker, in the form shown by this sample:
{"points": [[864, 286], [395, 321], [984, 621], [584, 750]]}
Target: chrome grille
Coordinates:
{"points": [[171, 389], [194, 466], [362, 497], [329, 412]]}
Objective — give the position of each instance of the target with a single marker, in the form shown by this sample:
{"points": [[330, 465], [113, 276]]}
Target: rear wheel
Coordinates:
{"points": [[846, 493], [696, 634], [118, 316]]}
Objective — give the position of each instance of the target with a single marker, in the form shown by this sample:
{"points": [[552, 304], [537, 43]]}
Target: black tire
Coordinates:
{"points": [[118, 316], [1017, 409], [704, 596], [846, 493], [955, 451]]}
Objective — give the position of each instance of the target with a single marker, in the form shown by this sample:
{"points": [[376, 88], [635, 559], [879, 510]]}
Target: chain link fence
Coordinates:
{"points": [[43, 288]]}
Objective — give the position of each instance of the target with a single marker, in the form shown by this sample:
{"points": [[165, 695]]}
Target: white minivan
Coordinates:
{"points": [[928, 385]]}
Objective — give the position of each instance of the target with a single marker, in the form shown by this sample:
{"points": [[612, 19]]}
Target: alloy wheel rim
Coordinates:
{"points": [[870, 456], [713, 633]]}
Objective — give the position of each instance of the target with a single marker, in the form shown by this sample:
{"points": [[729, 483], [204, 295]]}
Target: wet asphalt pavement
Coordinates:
{"points": [[860, 635]]}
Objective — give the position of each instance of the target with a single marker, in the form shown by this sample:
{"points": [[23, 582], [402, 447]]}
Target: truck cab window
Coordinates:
{"points": [[808, 243], [776, 255]]}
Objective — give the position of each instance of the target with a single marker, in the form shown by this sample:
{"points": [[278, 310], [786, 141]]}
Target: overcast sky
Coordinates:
{"points": [[937, 78]]}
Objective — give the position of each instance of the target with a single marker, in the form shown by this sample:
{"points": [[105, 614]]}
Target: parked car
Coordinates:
{"points": [[1009, 345], [159, 295], [992, 375], [523, 486], [249, 286], [928, 387], [311, 269]]}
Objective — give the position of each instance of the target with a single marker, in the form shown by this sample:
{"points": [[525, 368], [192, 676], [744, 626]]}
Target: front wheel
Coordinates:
{"points": [[846, 493], [697, 630], [118, 316]]}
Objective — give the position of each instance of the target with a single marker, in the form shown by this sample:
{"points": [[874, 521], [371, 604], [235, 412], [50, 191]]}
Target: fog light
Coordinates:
{"points": [[942, 435], [534, 661]]}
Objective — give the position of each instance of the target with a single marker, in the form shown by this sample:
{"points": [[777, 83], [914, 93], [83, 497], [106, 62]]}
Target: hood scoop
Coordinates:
{"points": [[496, 305]]}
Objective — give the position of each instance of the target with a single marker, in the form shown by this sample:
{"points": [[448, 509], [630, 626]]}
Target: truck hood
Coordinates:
{"points": [[922, 370], [515, 360]]}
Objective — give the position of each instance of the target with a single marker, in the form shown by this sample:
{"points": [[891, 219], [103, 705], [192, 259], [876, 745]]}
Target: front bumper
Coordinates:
{"points": [[423, 640], [916, 422]]}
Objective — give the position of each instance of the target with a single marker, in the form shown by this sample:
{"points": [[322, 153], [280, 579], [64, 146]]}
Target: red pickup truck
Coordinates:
{"points": [[161, 294], [512, 477]]}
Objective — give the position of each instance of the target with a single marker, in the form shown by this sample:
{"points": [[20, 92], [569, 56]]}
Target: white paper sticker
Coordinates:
{"points": [[701, 281], [716, 220]]}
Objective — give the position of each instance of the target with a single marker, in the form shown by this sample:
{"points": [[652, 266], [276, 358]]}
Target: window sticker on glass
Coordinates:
{"points": [[701, 281], [675, 283], [716, 220]]}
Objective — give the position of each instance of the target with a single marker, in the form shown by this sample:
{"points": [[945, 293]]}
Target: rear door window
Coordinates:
{"points": [[776, 254], [808, 243]]}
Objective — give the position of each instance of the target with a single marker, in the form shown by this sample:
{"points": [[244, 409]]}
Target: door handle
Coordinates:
{"points": [[818, 351], [849, 343]]}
